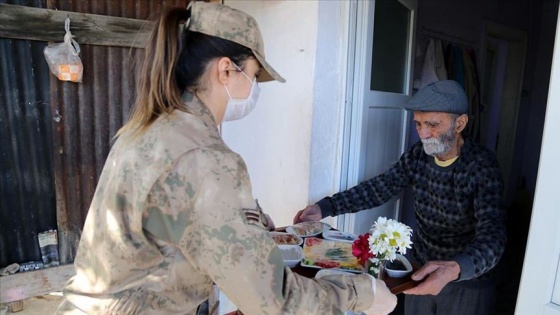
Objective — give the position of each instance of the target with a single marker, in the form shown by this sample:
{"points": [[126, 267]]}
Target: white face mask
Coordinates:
{"points": [[239, 108]]}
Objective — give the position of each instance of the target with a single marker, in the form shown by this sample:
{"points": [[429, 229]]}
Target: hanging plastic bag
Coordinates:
{"points": [[63, 58]]}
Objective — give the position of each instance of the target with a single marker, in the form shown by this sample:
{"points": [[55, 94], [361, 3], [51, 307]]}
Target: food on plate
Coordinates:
{"points": [[319, 253], [286, 239], [339, 236], [309, 228]]}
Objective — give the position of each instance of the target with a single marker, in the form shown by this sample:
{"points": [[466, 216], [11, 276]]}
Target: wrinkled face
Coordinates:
{"points": [[436, 131]]}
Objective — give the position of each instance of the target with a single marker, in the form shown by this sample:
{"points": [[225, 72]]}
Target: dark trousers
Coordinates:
{"points": [[453, 300]]}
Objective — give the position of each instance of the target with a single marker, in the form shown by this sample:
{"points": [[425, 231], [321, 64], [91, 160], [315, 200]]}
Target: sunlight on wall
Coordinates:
{"points": [[274, 140]]}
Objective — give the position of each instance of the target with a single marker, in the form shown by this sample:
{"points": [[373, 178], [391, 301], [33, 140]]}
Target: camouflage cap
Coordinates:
{"points": [[224, 22]]}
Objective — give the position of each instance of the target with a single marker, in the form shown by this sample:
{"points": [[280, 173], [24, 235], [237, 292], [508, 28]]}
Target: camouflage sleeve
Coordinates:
{"points": [[225, 238]]}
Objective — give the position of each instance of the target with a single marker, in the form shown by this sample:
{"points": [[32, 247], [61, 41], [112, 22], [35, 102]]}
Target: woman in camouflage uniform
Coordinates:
{"points": [[173, 211]]}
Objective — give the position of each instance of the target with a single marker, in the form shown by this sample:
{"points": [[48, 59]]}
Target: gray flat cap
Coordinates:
{"points": [[445, 96]]}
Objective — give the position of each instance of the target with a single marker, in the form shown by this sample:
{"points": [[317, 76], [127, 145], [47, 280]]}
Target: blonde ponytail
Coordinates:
{"points": [[158, 91]]}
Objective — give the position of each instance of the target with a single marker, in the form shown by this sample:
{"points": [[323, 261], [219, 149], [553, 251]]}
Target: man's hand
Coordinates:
{"points": [[310, 213], [384, 301], [269, 223], [436, 275]]}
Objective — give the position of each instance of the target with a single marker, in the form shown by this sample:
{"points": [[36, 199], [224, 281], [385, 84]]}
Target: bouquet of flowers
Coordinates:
{"points": [[386, 238]]}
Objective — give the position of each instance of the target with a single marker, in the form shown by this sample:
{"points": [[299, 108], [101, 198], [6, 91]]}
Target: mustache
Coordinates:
{"points": [[431, 141]]}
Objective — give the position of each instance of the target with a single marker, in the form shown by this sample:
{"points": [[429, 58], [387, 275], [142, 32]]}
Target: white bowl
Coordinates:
{"points": [[291, 254], [399, 273], [305, 229]]}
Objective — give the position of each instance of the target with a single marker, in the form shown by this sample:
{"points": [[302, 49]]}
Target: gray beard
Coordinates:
{"points": [[441, 146]]}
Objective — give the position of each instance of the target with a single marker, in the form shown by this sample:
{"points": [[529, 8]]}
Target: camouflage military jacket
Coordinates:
{"points": [[172, 214]]}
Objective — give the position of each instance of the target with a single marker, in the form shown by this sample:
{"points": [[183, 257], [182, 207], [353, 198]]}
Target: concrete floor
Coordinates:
{"points": [[40, 305]]}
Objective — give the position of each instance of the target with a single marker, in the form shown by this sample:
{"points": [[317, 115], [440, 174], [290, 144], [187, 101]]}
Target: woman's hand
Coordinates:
{"points": [[384, 302], [269, 223]]}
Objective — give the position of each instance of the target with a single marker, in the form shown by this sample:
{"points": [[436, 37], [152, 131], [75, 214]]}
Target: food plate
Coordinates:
{"points": [[306, 229], [286, 238], [319, 253], [339, 236]]}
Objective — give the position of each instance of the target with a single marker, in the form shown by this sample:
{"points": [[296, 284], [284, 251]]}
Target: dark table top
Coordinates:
{"points": [[396, 285]]}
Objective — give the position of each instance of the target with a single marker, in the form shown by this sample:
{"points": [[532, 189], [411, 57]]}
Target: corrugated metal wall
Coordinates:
{"points": [[27, 197], [89, 114], [85, 116]]}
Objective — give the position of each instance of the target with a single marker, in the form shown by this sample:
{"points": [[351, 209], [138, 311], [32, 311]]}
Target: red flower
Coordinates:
{"points": [[360, 248]]}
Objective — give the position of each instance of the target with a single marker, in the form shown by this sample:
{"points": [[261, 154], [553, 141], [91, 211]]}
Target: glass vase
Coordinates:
{"points": [[376, 269]]}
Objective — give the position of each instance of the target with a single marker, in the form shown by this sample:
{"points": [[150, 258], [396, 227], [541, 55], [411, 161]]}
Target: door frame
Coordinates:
{"points": [[515, 58], [355, 118], [539, 290]]}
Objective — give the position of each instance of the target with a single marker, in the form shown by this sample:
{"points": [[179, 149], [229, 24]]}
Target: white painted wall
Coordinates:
{"points": [[274, 140], [331, 106], [305, 41]]}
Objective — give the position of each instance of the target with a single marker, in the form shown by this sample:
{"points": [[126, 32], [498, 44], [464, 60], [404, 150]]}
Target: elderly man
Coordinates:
{"points": [[457, 189]]}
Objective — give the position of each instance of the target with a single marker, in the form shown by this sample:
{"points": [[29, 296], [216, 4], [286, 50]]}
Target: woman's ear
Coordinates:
{"points": [[224, 66], [461, 124]]}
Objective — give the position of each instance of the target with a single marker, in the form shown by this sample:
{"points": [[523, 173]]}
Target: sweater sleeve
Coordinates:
{"points": [[373, 192], [487, 247]]}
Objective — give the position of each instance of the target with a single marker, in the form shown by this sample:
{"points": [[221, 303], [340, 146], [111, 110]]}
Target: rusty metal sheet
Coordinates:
{"points": [[87, 115]]}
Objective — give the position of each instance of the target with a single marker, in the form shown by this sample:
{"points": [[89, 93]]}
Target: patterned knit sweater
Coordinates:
{"points": [[458, 208]]}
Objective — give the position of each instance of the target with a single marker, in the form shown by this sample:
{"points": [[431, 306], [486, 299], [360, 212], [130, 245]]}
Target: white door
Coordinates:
{"points": [[539, 290], [381, 72]]}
